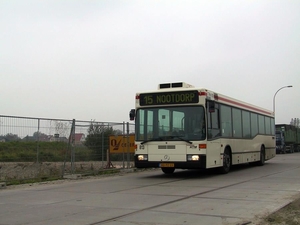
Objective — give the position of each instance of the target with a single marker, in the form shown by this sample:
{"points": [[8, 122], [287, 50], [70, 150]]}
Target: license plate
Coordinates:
{"points": [[166, 164]]}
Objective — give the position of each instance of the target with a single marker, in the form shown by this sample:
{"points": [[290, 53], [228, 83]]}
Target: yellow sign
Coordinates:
{"points": [[118, 144]]}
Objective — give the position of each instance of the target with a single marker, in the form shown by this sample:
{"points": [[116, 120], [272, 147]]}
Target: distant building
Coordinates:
{"points": [[79, 138], [29, 138], [46, 138], [57, 138], [41, 138]]}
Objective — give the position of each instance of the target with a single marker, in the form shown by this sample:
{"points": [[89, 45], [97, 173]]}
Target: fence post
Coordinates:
{"points": [[73, 147], [69, 149], [123, 145], [102, 146], [128, 147], [37, 142]]}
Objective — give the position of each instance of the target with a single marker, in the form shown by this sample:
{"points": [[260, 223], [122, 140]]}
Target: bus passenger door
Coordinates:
{"points": [[213, 153], [214, 149]]}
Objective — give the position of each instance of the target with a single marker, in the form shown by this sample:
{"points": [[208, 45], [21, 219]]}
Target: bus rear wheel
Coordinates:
{"points": [[226, 162], [262, 160], [168, 170]]}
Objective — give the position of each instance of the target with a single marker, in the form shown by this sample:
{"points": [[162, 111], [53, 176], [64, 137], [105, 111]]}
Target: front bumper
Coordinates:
{"points": [[201, 164]]}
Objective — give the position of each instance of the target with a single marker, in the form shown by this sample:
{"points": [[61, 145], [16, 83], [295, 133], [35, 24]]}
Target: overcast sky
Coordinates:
{"points": [[87, 59]]}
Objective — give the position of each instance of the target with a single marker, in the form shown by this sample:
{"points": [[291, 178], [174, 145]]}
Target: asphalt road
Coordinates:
{"points": [[243, 196]]}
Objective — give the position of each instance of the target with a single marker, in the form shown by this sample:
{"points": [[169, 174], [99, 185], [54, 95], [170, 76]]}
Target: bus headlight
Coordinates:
{"points": [[142, 157], [193, 157]]}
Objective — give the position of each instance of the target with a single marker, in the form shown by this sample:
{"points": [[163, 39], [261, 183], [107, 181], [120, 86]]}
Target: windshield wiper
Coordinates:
{"points": [[152, 139], [179, 137], [165, 138]]}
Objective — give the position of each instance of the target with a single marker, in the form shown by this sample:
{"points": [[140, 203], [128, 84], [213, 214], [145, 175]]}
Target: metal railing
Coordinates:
{"points": [[45, 148]]}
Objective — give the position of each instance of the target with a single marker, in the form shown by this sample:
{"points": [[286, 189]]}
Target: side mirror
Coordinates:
{"points": [[211, 106], [132, 114]]}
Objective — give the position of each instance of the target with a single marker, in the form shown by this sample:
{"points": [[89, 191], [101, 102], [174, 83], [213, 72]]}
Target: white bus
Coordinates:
{"points": [[180, 126]]}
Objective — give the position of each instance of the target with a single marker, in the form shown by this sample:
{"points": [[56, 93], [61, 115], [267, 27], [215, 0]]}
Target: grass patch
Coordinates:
{"points": [[17, 151], [31, 180], [47, 179], [288, 215]]}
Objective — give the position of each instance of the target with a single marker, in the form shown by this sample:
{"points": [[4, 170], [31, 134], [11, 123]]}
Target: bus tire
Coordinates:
{"points": [[168, 170], [226, 162], [262, 159]]}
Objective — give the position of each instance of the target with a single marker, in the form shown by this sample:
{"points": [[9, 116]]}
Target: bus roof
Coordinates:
{"points": [[210, 95]]}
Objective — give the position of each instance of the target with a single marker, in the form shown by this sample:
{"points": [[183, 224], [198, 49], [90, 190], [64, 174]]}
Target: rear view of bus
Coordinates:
{"points": [[180, 126]]}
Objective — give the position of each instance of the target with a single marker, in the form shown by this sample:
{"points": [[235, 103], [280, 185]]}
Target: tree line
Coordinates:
{"points": [[295, 122]]}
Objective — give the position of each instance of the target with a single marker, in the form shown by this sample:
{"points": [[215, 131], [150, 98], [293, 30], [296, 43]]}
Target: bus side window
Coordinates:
{"points": [[213, 122], [226, 121]]}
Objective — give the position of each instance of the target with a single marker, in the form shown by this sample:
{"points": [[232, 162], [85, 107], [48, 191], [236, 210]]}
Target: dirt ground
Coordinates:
{"points": [[17, 171]]}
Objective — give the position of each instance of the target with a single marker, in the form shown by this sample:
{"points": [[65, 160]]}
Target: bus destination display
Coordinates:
{"points": [[165, 98]]}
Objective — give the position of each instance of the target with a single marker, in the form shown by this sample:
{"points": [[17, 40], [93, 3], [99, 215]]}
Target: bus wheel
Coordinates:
{"points": [[168, 170], [226, 162], [261, 162]]}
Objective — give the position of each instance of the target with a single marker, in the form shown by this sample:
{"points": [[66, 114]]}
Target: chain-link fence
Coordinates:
{"points": [[42, 148]]}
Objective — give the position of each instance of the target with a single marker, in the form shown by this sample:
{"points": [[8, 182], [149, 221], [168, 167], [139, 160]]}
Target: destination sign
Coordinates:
{"points": [[165, 98]]}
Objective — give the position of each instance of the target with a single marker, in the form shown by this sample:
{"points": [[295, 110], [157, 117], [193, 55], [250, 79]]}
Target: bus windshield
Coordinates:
{"points": [[184, 123]]}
